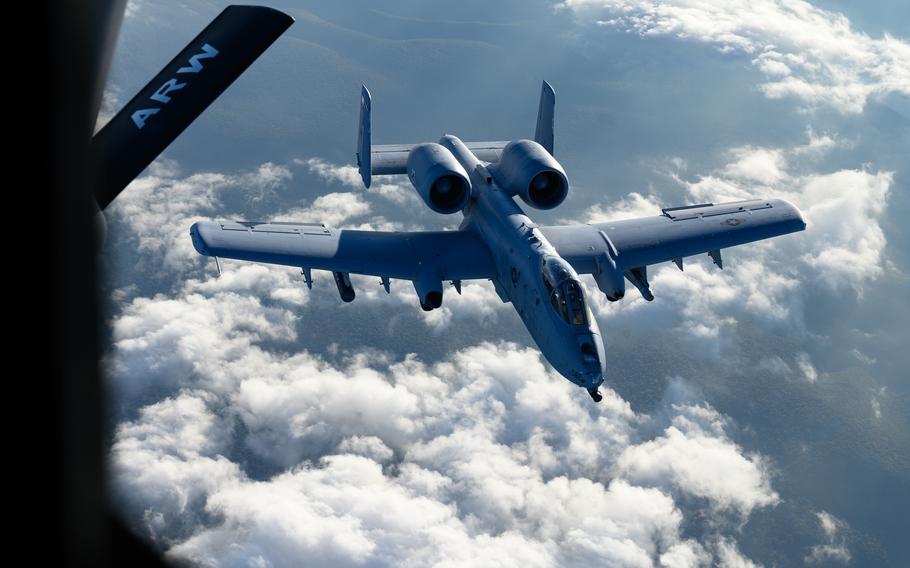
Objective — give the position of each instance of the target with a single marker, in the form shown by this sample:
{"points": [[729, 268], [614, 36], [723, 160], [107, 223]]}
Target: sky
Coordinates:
{"points": [[755, 416]]}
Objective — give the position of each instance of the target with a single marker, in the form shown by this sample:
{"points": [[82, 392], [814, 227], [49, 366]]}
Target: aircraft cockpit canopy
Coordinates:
{"points": [[566, 294]]}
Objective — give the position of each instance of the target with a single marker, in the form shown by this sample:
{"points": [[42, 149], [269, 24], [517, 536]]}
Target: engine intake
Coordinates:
{"points": [[526, 169], [438, 178]]}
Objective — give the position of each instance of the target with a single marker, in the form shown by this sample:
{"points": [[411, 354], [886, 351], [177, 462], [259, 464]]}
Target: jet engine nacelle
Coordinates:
{"points": [[438, 177], [526, 169]]}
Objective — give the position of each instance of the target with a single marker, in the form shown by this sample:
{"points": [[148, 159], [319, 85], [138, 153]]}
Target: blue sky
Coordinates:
{"points": [[756, 415]]}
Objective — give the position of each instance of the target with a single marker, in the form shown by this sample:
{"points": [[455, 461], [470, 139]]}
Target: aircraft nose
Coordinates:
{"points": [[594, 380], [591, 350], [592, 360]]}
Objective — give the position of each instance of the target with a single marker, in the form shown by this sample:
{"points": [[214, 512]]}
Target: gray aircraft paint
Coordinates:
{"points": [[497, 241]]}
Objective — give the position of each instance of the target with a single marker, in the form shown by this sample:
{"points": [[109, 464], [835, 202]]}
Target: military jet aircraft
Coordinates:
{"points": [[535, 268]]}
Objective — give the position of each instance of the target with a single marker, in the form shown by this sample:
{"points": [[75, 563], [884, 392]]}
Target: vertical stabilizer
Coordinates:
{"points": [[545, 114], [364, 144]]}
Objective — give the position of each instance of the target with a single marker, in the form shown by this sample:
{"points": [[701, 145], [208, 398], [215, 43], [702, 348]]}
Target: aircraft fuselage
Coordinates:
{"points": [[544, 289]]}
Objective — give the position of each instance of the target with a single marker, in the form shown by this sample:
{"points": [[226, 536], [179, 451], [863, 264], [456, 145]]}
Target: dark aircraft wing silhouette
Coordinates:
{"points": [[179, 93]]}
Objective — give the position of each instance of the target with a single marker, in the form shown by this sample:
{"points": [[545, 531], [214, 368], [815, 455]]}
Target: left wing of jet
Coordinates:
{"points": [[617, 249], [433, 255]]}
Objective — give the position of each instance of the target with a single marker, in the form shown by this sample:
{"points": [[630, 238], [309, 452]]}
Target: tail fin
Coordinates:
{"points": [[545, 117], [179, 93], [391, 159], [364, 141]]}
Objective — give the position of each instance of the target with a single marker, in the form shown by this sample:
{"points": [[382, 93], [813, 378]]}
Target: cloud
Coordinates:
{"points": [[331, 209], [110, 104], [844, 243], [876, 402], [835, 548], [478, 304], [729, 556], [134, 8], [694, 455], [168, 460], [632, 205], [393, 188], [806, 367], [159, 207], [162, 343], [253, 454], [805, 53]]}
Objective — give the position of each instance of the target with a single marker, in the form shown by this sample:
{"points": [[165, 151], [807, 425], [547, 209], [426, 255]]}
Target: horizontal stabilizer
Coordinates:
{"points": [[390, 159], [179, 93]]}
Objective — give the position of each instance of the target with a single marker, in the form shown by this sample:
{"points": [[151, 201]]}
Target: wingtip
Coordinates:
{"points": [[795, 213], [198, 241]]}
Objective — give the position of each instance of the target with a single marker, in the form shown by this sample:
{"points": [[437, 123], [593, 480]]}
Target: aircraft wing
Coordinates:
{"points": [[447, 255], [678, 232]]}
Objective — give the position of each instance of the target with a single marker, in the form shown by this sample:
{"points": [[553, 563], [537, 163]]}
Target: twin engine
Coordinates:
{"points": [[438, 177], [525, 169]]}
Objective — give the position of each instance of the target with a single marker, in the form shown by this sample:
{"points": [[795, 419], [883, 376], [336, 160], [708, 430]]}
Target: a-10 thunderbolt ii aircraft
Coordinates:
{"points": [[535, 268]]}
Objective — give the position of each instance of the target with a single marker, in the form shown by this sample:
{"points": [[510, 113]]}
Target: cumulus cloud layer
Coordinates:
{"points": [[392, 188], [160, 207], [396, 462], [805, 52], [844, 243], [694, 455]]}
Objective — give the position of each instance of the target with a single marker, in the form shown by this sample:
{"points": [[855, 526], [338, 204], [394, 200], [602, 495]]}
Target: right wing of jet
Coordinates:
{"points": [[615, 249], [437, 255]]}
